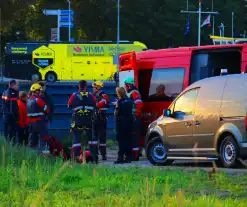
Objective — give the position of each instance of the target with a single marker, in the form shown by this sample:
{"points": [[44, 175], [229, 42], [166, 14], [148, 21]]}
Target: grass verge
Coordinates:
{"points": [[27, 180]]}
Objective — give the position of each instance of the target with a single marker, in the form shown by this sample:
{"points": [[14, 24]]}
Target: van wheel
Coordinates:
{"points": [[157, 152], [35, 77], [229, 153], [51, 77]]}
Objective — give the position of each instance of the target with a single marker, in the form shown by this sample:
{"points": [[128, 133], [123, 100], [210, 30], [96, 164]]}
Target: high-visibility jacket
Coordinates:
{"points": [[136, 97], [23, 118], [102, 100], [36, 109]]}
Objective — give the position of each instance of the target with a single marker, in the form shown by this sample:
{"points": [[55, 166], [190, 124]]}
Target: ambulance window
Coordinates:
{"points": [[165, 84]]}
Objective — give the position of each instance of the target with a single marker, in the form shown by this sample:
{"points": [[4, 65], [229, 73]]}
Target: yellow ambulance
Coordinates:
{"points": [[52, 61]]}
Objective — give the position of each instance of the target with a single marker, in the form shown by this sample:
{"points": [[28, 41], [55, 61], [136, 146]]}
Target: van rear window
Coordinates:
{"points": [[161, 84]]}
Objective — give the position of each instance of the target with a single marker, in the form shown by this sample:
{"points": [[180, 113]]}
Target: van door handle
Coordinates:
{"points": [[197, 123], [188, 124]]}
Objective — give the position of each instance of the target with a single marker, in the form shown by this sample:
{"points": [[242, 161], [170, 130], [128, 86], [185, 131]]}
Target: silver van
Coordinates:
{"points": [[207, 121]]}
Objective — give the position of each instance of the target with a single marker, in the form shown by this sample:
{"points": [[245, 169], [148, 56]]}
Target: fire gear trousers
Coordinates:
{"points": [[11, 132], [124, 138], [100, 133], [80, 142], [136, 139], [38, 135], [23, 136]]}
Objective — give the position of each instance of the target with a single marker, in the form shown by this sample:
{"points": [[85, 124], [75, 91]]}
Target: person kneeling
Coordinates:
{"points": [[124, 115]]}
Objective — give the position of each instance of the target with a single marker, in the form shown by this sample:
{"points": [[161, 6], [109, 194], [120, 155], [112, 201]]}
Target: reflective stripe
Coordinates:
{"points": [[81, 107], [102, 145], [45, 107], [138, 100], [103, 100], [92, 142], [36, 114], [76, 145], [9, 99], [103, 109], [135, 149]]}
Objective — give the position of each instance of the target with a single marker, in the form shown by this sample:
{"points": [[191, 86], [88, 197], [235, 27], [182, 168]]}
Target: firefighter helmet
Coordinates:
{"points": [[98, 84], [35, 87], [129, 80]]}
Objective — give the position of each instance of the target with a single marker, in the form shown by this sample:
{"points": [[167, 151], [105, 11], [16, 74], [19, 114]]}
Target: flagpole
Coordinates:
{"points": [[213, 17], [232, 24], [199, 23]]}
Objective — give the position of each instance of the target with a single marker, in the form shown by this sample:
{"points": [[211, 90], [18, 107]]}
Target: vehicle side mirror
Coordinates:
{"points": [[167, 112], [179, 115]]}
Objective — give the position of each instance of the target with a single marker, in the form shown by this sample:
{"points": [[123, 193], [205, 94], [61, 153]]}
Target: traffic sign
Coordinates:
{"points": [[43, 57], [50, 12], [66, 18], [66, 24], [54, 34], [66, 12]]}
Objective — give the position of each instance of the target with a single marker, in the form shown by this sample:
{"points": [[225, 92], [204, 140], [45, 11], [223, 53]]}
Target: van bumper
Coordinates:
{"points": [[243, 150]]}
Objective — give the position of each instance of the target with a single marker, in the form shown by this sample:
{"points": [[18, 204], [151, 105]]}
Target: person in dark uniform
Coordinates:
{"points": [[124, 115], [36, 111], [83, 105], [11, 111], [101, 120]]}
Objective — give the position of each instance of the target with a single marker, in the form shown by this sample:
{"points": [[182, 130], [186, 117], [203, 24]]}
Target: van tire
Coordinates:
{"points": [[155, 146], [229, 153], [51, 77]]}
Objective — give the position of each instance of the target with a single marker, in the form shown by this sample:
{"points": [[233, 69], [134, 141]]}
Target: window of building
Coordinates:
{"points": [[161, 84], [186, 102]]}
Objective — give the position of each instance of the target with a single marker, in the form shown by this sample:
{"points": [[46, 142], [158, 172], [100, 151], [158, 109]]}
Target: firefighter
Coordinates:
{"points": [[101, 121], [47, 99], [11, 111], [36, 110], [134, 94], [124, 115], [83, 105], [23, 118]]}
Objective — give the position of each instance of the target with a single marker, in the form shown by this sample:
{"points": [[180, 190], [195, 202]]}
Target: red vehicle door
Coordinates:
{"points": [[127, 66], [162, 83]]}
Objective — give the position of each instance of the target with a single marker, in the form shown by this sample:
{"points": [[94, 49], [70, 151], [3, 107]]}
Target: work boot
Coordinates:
{"points": [[127, 160], [119, 162]]}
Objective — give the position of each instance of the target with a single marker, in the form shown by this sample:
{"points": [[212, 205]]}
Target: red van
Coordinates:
{"points": [[162, 74]]}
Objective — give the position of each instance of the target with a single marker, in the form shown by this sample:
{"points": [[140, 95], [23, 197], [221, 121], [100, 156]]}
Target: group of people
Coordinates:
{"points": [[26, 117]]}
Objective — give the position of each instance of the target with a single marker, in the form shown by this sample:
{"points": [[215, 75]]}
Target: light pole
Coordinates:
{"points": [[232, 24], [199, 23], [69, 21], [213, 17]]}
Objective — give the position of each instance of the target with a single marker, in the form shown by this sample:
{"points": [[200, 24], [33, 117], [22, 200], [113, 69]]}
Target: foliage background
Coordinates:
{"points": [[157, 23]]}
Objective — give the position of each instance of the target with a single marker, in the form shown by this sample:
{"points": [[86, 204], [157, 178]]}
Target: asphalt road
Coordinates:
{"points": [[182, 165]]}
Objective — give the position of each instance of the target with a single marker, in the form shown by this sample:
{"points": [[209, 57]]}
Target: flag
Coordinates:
{"points": [[187, 26], [206, 21]]}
